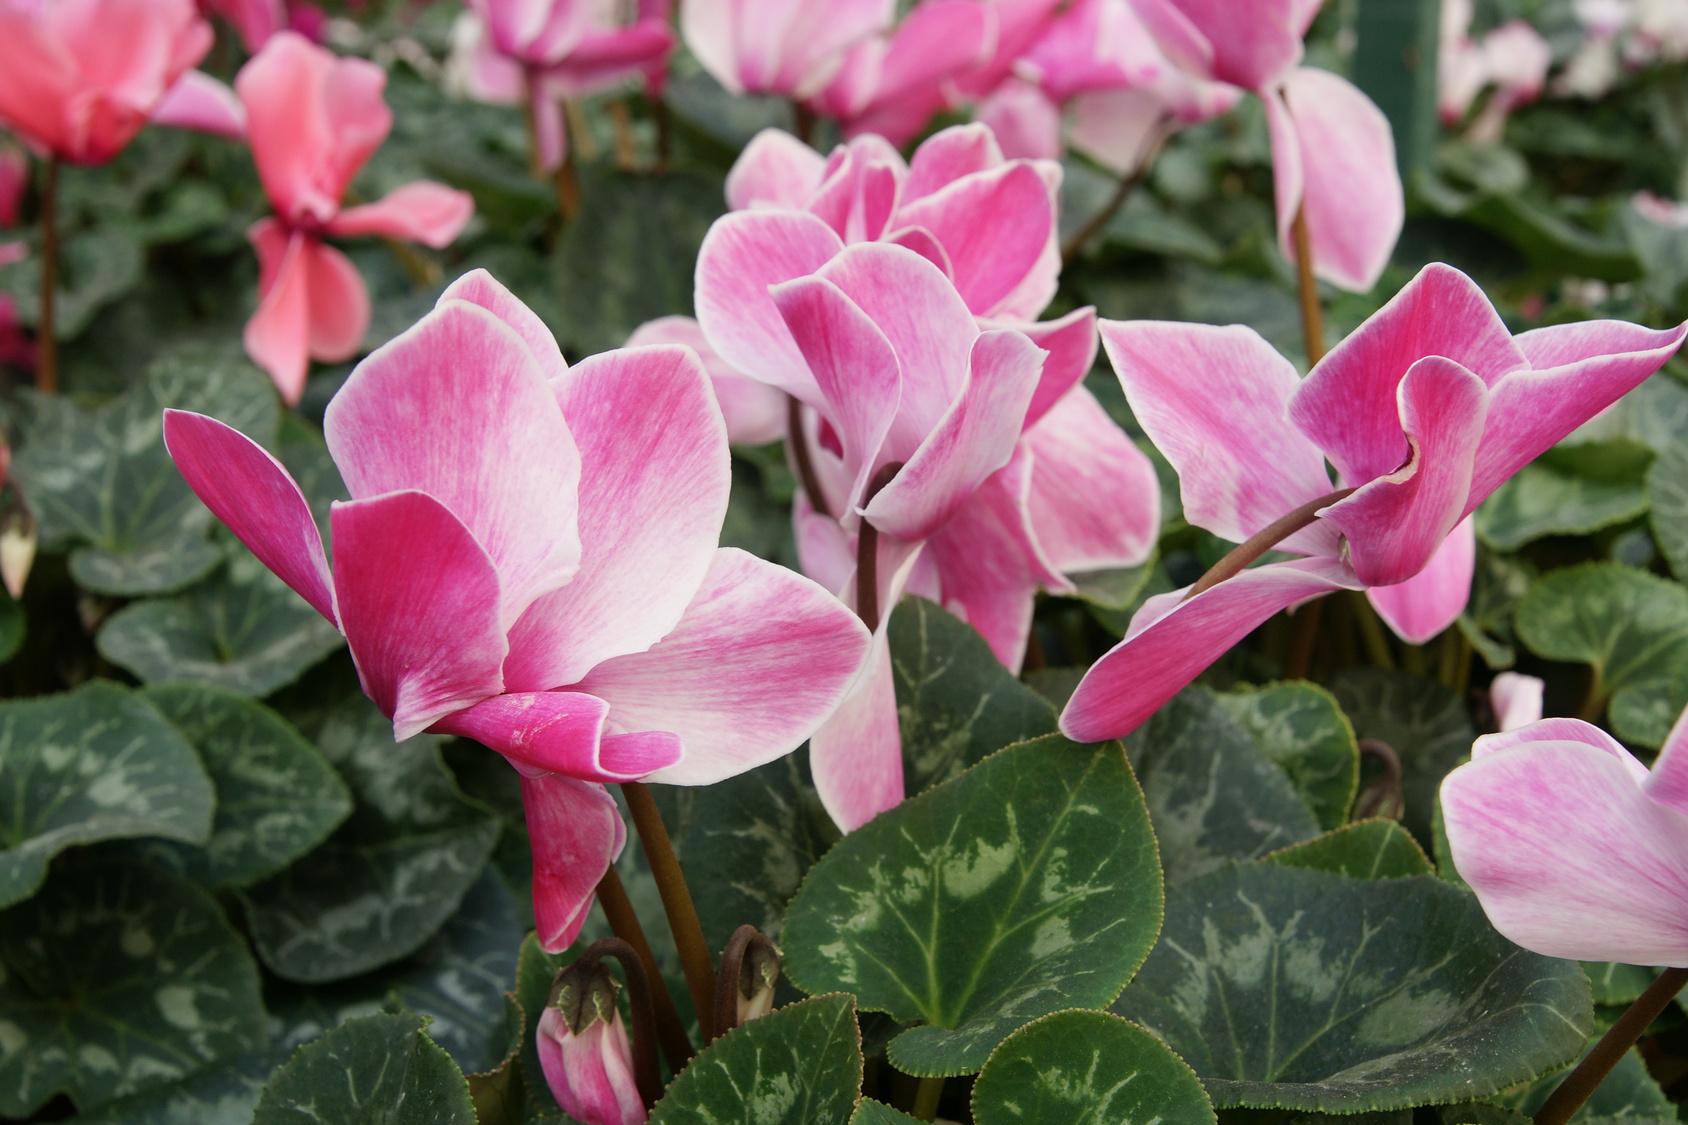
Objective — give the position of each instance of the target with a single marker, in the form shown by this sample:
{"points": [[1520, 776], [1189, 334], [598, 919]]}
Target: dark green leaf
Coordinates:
{"points": [[1545, 499], [1213, 795], [1301, 728], [956, 703], [101, 481], [1612, 983], [221, 1094], [379, 1070], [1366, 849], [96, 267], [93, 764], [1296, 989], [277, 798], [391, 875], [870, 1112], [536, 971], [13, 624], [118, 978], [1631, 626], [1087, 1068], [1423, 722], [1667, 488], [1027, 885], [242, 629], [799, 1065]]}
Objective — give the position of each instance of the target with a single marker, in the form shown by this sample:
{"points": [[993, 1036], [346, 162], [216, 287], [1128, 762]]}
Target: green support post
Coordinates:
{"points": [[1395, 64]]}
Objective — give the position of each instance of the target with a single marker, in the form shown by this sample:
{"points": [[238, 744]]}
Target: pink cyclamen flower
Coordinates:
{"points": [[530, 560], [1332, 150], [755, 412], [79, 78], [255, 21], [1516, 700], [1574, 848], [788, 47], [590, 1074], [1425, 409], [313, 120]]}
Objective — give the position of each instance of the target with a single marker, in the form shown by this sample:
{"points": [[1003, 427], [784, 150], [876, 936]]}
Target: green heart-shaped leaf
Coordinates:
{"points": [[1088, 1068], [1580, 491], [369, 1071], [117, 978], [97, 763], [1027, 885], [1366, 849], [1295, 989], [1667, 489], [224, 1093], [1300, 728]]}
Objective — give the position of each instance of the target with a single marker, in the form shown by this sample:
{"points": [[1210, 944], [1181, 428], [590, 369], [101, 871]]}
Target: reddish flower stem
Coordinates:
{"points": [[867, 552], [47, 343], [798, 441], [1570, 1094], [676, 902], [1312, 313], [1264, 540], [624, 922], [1158, 135]]}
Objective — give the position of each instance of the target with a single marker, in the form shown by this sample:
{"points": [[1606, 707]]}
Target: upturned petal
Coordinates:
{"points": [[478, 287], [575, 831], [994, 226], [201, 103], [856, 756], [1071, 342], [424, 212], [559, 732], [1250, 45], [590, 1074], [337, 302], [755, 412], [1095, 499], [1431, 600], [948, 155], [1516, 699], [775, 168]]}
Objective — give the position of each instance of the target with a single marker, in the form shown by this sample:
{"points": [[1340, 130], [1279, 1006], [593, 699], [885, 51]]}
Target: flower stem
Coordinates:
{"points": [[624, 921], [926, 1097], [647, 1076], [1598, 1063], [738, 973], [1262, 541], [867, 552], [1312, 313], [47, 343], [1299, 660], [798, 441], [1371, 632], [805, 124], [1128, 183], [676, 902]]}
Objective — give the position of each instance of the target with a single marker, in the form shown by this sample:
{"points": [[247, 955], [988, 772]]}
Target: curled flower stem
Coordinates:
{"points": [[1382, 798], [1262, 541], [47, 344], [1128, 183], [646, 1074], [798, 441], [867, 552], [624, 921], [738, 974], [676, 903], [1598, 1063], [1312, 313]]}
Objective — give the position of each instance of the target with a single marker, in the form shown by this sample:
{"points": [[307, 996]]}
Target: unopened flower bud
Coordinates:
{"points": [[584, 1049], [756, 981], [17, 549]]}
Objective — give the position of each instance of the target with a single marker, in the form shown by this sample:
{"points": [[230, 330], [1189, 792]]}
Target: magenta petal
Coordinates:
{"points": [[994, 225], [1569, 856], [1213, 401], [1351, 189], [973, 440], [1579, 370], [278, 337], [419, 604], [576, 832], [559, 732], [774, 168], [1347, 402], [1432, 599], [478, 287], [761, 658], [1095, 500], [1395, 523], [1253, 45], [856, 756], [424, 212], [1071, 342], [457, 407], [655, 473], [742, 256], [254, 496], [1172, 641], [948, 155]]}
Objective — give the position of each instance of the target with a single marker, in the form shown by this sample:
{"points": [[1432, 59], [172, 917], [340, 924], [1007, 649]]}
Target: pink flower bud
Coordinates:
{"points": [[589, 1066]]}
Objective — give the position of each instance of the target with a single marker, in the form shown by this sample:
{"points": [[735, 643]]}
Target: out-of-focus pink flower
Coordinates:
{"points": [[530, 560], [17, 347], [511, 51], [313, 120], [1516, 700], [1332, 150], [256, 20], [590, 1072], [14, 181], [1513, 58], [788, 47], [1425, 409], [79, 78], [755, 412], [1574, 848], [201, 103], [1664, 212]]}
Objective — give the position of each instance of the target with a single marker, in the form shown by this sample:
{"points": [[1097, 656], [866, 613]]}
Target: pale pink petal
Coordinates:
{"points": [[973, 440], [1516, 699], [709, 29], [1395, 523], [1071, 343], [1289, 177], [824, 551], [338, 301], [1578, 371], [993, 225], [755, 412], [948, 155], [1213, 401], [590, 1074], [811, 39], [761, 658], [418, 600], [1026, 123], [742, 256], [487, 74], [278, 337], [1668, 780], [424, 212], [576, 832], [559, 732], [856, 756], [457, 407], [1560, 730], [478, 287], [255, 497], [1347, 403], [1253, 45], [655, 473], [1095, 501], [1431, 600], [1172, 641], [200, 102], [1352, 190], [1568, 855], [1177, 35], [1116, 127], [774, 168], [13, 252]]}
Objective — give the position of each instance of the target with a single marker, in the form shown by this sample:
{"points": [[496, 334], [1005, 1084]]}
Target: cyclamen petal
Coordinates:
{"points": [[1517, 700], [755, 412], [1432, 600], [856, 756], [336, 302], [278, 337], [774, 168], [560, 732], [478, 287], [424, 212], [576, 833]]}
